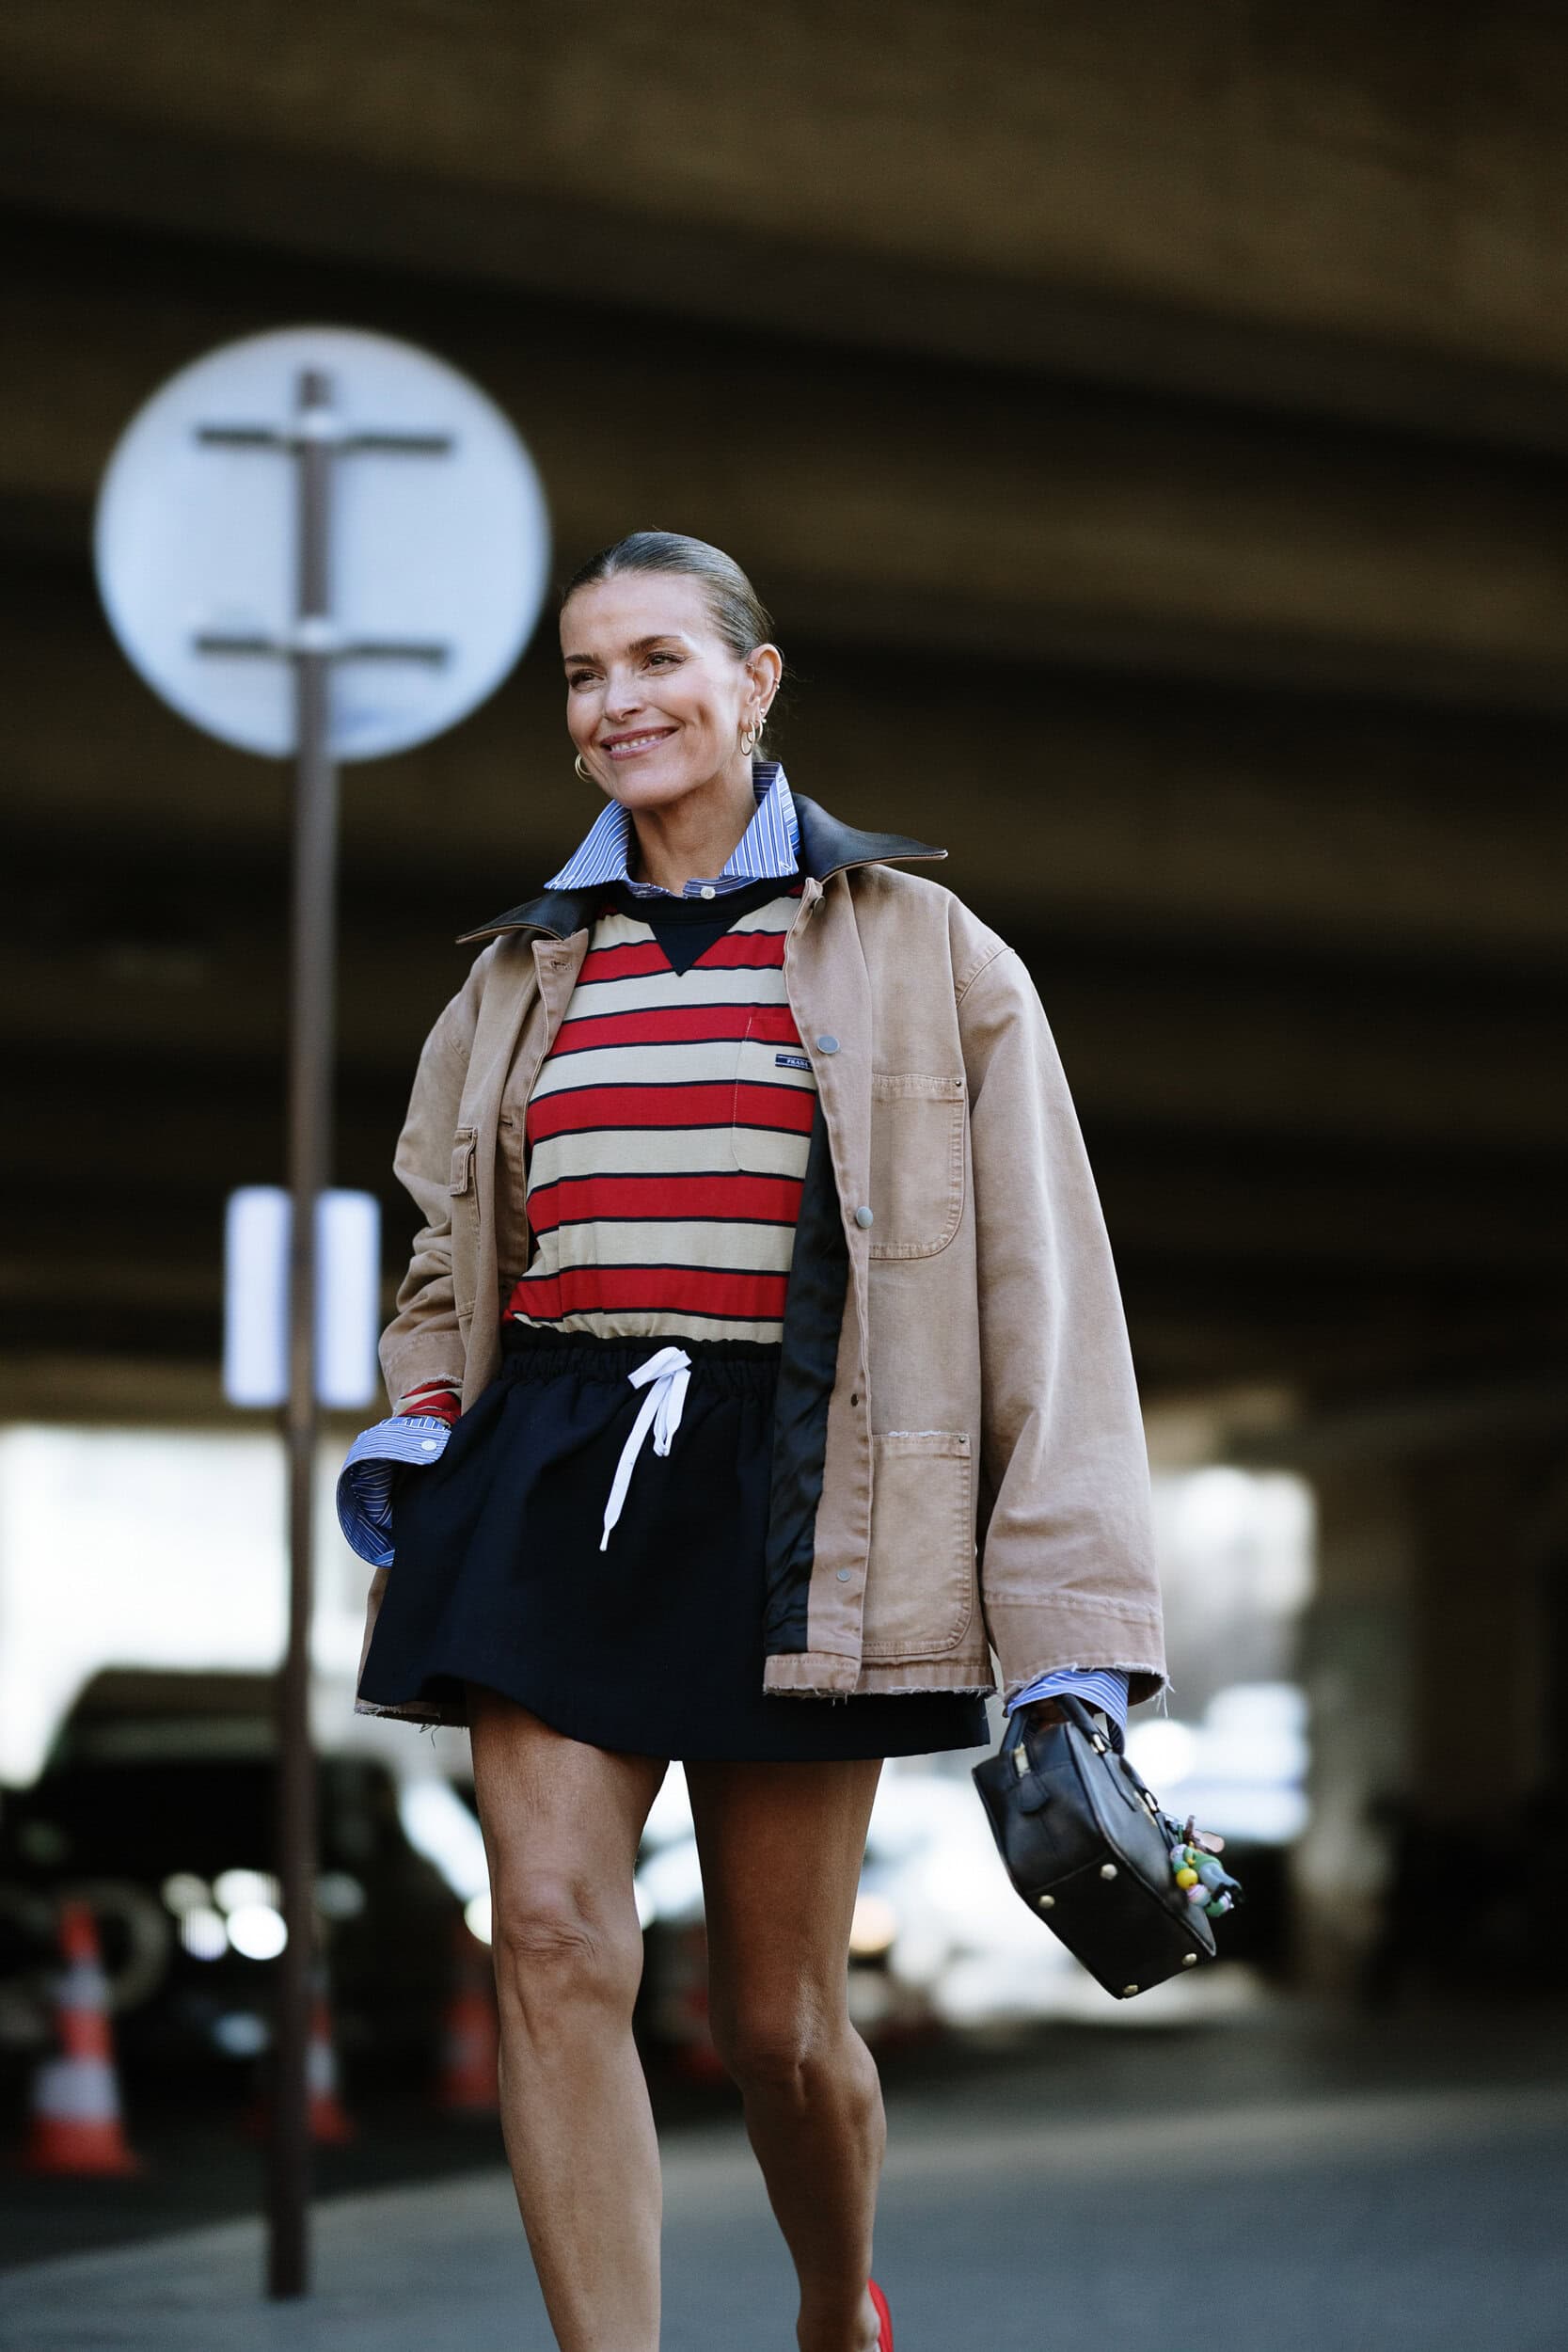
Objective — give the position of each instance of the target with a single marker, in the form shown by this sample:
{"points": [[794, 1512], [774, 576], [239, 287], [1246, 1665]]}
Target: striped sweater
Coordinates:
{"points": [[667, 1133]]}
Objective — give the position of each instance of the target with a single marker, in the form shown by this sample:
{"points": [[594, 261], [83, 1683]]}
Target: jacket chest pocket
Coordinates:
{"points": [[917, 1161]]}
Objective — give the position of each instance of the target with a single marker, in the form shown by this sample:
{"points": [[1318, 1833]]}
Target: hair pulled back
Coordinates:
{"points": [[740, 619]]}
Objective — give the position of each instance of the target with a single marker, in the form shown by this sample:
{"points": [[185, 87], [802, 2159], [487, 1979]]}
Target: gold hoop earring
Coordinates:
{"points": [[747, 739], [586, 773]]}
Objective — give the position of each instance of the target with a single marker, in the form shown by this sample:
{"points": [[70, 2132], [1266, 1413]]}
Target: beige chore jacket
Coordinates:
{"points": [[958, 1463]]}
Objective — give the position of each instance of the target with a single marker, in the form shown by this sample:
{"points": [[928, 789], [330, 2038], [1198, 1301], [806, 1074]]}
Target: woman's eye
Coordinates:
{"points": [[661, 657]]}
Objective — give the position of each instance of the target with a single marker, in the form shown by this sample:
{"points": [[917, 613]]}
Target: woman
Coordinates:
{"points": [[762, 1257]]}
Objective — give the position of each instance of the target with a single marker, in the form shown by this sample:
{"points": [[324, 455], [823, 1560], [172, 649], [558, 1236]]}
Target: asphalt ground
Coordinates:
{"points": [[1292, 2180]]}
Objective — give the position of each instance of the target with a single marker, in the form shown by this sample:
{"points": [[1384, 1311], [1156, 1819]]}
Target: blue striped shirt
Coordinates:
{"points": [[769, 847]]}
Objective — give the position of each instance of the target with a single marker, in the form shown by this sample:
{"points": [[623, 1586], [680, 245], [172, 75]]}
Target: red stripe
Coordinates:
{"points": [[774, 1199], [610, 1290], [638, 957], [678, 1025], [786, 1109], [737, 951]]}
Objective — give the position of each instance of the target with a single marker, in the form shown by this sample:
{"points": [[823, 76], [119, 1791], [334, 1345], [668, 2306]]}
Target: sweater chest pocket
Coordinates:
{"points": [[917, 1161], [772, 1095]]}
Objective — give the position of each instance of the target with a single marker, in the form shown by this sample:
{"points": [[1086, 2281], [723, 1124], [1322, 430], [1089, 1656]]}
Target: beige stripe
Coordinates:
{"points": [[720, 1061], [704, 1244], [664, 1323], [616, 929], [666, 1150], [653, 992]]}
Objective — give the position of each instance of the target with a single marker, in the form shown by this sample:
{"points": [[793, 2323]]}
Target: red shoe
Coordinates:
{"points": [[884, 2333]]}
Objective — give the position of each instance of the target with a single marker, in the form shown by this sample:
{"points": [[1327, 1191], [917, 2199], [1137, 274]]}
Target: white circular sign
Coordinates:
{"points": [[450, 550]]}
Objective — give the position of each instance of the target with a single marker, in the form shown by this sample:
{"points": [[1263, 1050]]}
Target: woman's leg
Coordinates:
{"points": [[562, 1824], [780, 1848]]}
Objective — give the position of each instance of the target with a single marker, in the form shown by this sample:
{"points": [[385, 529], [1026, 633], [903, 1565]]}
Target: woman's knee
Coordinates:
{"points": [[558, 1941], [780, 2043]]}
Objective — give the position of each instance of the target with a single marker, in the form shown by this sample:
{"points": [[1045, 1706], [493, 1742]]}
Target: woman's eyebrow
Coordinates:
{"points": [[638, 644]]}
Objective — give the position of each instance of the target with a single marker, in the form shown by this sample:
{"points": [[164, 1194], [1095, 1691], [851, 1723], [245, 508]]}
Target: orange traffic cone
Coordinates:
{"points": [[325, 2117], [328, 2119], [468, 2083], [75, 2108]]}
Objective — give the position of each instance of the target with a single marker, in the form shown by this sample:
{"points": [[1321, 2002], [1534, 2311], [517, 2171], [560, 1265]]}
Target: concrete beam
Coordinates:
{"points": [[1337, 208], [1181, 816], [978, 518]]}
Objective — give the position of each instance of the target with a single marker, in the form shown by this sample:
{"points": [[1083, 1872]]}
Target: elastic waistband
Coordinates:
{"points": [[532, 1351]]}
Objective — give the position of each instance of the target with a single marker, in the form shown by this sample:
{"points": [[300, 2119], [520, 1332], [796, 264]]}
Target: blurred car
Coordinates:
{"points": [[168, 1829]]}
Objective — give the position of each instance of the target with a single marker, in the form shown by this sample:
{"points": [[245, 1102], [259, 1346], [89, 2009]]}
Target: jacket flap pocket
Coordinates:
{"points": [[462, 1159]]}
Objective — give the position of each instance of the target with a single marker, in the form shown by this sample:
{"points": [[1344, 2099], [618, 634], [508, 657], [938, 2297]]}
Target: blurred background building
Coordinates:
{"points": [[1147, 429]]}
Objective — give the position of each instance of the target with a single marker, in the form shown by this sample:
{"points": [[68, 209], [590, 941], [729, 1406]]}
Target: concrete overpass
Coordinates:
{"points": [[1150, 436]]}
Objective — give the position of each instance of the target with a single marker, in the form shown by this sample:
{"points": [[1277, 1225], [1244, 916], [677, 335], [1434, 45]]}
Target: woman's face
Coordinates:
{"points": [[656, 701]]}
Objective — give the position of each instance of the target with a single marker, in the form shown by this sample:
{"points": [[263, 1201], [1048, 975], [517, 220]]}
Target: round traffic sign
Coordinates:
{"points": [[444, 549]]}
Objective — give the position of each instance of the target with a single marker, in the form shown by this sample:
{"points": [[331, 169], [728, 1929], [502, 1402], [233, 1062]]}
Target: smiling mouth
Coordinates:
{"points": [[632, 746]]}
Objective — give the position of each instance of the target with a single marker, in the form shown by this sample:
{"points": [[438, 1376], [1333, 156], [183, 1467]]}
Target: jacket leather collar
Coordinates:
{"points": [[827, 846]]}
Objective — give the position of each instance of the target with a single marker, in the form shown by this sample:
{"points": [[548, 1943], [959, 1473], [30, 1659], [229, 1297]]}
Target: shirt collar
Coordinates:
{"points": [[769, 845]]}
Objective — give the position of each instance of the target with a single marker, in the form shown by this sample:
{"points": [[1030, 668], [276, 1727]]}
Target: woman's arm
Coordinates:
{"points": [[1067, 1557], [422, 1347]]}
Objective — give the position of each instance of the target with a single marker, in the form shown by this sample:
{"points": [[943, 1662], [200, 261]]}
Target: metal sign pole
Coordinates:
{"points": [[313, 962]]}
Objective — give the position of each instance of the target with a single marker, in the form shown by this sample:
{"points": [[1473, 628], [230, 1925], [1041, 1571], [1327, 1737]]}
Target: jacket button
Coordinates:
{"points": [[863, 1215], [843, 1576], [827, 1044]]}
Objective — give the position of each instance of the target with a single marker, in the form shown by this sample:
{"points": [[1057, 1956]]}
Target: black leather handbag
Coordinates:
{"points": [[1091, 1852]]}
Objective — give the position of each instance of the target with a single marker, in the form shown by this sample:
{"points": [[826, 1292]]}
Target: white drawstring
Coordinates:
{"points": [[669, 1371]]}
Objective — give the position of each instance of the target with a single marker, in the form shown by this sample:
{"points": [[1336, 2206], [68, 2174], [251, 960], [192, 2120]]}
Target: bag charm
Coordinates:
{"points": [[1200, 1875]]}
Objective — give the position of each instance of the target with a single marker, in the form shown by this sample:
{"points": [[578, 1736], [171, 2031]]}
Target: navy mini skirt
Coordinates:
{"points": [[651, 1642]]}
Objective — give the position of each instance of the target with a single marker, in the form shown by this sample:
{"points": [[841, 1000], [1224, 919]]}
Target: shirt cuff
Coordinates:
{"points": [[1105, 1687], [408, 1440]]}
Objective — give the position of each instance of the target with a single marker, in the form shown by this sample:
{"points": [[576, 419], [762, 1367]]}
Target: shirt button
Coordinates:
{"points": [[827, 1044], [843, 1576], [863, 1215], [709, 891], [428, 1445]]}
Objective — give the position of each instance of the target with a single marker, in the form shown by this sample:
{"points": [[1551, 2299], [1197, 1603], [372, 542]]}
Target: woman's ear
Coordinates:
{"points": [[765, 667]]}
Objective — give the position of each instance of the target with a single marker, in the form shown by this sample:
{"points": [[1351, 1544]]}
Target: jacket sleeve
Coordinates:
{"points": [[422, 1343], [1065, 1527]]}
